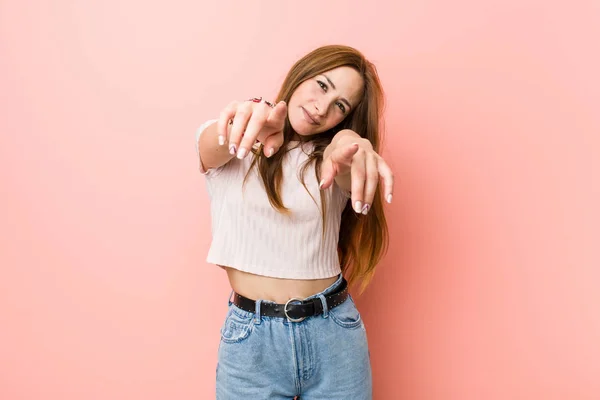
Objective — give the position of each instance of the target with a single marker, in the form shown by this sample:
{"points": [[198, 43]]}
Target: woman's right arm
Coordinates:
{"points": [[212, 155], [239, 126]]}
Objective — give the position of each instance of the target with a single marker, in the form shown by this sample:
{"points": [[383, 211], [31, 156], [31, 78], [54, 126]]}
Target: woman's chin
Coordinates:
{"points": [[302, 128]]}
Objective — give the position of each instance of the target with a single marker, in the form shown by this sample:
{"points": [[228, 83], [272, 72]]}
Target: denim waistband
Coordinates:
{"points": [[330, 289]]}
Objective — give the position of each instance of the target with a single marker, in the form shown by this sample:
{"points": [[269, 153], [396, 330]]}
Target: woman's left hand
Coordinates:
{"points": [[356, 167]]}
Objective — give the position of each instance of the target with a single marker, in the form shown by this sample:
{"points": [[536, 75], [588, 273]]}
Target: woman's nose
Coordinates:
{"points": [[320, 109]]}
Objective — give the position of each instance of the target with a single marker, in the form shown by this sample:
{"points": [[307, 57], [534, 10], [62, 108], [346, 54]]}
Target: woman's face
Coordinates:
{"points": [[320, 103]]}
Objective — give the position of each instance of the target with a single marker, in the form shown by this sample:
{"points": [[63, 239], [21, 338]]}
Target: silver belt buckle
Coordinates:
{"points": [[286, 314]]}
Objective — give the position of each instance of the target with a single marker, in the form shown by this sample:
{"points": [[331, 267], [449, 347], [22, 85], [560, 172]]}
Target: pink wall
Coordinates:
{"points": [[491, 288]]}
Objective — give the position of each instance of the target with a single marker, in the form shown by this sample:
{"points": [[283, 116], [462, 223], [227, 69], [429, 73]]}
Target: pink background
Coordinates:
{"points": [[491, 287]]}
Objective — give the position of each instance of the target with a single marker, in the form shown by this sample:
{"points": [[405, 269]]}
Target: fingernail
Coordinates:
{"points": [[321, 183], [358, 206], [271, 151], [232, 149], [221, 140], [241, 153], [389, 198], [365, 209]]}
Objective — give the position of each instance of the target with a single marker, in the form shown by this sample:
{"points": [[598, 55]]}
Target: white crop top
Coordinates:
{"points": [[248, 234]]}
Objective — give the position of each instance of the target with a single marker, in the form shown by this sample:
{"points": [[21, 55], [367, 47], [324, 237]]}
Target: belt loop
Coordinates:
{"points": [[324, 302], [229, 298], [257, 312]]}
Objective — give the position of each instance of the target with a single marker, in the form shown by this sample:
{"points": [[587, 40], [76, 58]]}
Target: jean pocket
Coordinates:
{"points": [[237, 326], [346, 314]]}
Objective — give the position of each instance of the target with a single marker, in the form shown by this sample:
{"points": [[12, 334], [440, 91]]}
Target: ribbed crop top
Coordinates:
{"points": [[248, 234]]}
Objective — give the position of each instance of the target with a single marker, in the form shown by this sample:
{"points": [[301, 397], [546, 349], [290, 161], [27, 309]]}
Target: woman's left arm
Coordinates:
{"points": [[351, 161]]}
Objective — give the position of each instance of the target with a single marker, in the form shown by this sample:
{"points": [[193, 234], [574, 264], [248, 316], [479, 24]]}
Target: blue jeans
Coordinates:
{"points": [[324, 357]]}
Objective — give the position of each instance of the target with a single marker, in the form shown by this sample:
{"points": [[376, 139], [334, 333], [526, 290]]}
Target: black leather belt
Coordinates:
{"points": [[295, 310]]}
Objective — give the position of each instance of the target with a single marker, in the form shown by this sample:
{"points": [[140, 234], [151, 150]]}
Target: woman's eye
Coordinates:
{"points": [[342, 107], [323, 86]]}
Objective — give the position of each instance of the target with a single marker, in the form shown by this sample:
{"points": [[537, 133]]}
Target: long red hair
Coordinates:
{"points": [[363, 240]]}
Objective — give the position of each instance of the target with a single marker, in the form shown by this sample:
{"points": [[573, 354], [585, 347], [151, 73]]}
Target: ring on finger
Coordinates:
{"points": [[260, 100]]}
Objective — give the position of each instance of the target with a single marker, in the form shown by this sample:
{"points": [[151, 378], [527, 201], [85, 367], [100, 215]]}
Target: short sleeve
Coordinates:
{"points": [[198, 133]]}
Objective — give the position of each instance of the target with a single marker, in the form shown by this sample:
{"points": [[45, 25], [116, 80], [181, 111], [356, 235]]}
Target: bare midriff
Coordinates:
{"points": [[277, 290]]}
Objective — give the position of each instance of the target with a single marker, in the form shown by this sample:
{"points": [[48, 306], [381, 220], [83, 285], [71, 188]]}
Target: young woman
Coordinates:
{"points": [[297, 209]]}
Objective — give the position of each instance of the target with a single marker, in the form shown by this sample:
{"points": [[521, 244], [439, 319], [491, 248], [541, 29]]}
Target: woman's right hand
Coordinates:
{"points": [[252, 122]]}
